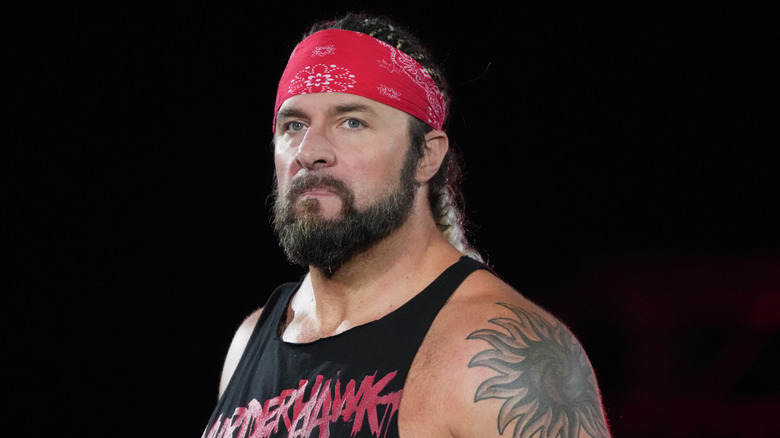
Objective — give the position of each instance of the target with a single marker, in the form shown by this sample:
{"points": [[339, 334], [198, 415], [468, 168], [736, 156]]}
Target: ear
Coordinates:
{"points": [[434, 149]]}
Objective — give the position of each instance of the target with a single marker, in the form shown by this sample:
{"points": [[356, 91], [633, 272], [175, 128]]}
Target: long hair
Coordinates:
{"points": [[444, 193]]}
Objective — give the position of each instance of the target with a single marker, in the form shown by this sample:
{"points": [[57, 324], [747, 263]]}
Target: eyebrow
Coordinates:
{"points": [[290, 113], [352, 107]]}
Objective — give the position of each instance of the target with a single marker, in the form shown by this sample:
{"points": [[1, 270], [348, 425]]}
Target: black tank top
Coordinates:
{"points": [[348, 385]]}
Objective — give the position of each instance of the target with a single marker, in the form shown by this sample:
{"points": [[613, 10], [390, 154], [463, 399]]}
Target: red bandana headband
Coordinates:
{"points": [[344, 61]]}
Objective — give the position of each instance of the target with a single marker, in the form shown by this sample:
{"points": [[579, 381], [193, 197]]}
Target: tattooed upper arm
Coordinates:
{"points": [[541, 376]]}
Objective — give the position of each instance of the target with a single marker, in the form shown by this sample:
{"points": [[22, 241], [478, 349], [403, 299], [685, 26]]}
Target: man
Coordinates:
{"points": [[393, 331]]}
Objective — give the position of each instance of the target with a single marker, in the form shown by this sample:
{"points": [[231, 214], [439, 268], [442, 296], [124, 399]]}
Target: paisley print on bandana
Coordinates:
{"points": [[384, 90], [322, 78], [420, 76], [323, 50], [343, 61]]}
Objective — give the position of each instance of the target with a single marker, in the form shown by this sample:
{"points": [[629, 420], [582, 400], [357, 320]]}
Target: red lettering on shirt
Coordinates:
{"points": [[327, 403]]}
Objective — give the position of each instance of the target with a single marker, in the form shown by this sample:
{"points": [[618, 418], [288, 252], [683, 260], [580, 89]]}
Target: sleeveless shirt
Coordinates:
{"points": [[347, 385]]}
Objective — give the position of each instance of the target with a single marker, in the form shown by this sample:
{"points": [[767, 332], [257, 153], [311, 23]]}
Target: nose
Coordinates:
{"points": [[315, 150]]}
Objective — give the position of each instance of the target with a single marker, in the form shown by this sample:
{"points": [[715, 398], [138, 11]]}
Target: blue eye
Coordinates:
{"points": [[353, 123], [295, 126]]}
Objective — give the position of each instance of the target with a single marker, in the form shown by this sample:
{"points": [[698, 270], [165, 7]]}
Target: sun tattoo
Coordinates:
{"points": [[544, 377]]}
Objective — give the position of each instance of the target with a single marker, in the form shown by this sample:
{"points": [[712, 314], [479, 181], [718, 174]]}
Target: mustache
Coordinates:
{"points": [[308, 182]]}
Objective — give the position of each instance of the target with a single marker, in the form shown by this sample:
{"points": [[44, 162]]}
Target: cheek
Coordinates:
{"points": [[283, 166], [383, 179]]}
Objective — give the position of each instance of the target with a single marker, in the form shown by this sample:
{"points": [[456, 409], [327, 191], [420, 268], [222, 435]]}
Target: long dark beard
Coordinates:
{"points": [[326, 244]]}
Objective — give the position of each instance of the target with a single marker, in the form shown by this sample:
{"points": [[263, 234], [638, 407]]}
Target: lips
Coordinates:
{"points": [[318, 192], [314, 194]]}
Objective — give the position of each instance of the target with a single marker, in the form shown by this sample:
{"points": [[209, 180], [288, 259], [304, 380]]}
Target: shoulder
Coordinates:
{"points": [[509, 366], [237, 347]]}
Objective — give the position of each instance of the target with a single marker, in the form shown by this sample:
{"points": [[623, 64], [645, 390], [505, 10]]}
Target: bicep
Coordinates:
{"points": [[237, 347]]}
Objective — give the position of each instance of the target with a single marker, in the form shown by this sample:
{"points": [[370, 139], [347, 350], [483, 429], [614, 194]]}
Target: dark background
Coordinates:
{"points": [[620, 171]]}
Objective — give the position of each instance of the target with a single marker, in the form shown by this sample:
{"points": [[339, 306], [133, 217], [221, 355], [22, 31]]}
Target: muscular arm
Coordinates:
{"points": [[540, 381], [236, 350]]}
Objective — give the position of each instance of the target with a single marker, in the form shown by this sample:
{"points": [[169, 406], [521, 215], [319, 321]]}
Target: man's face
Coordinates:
{"points": [[345, 177]]}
